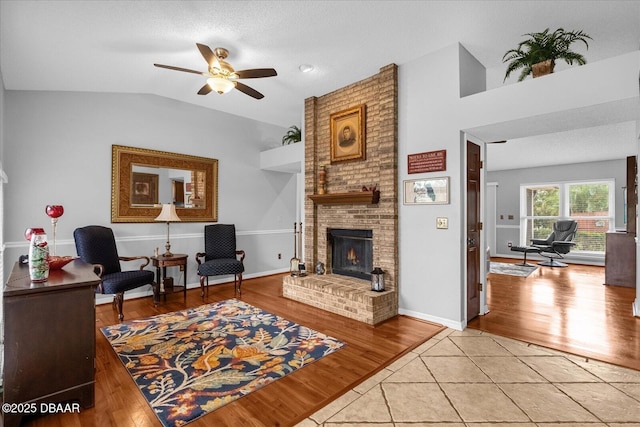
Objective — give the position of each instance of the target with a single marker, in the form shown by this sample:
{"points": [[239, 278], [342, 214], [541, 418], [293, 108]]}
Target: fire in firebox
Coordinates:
{"points": [[352, 257]]}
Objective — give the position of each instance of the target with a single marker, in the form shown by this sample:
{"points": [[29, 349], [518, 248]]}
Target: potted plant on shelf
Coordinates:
{"points": [[537, 54], [293, 135]]}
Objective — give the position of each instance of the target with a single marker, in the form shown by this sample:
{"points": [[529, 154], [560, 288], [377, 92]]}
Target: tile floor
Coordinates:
{"points": [[475, 379]]}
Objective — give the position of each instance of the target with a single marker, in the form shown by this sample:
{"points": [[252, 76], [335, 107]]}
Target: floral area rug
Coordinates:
{"points": [[511, 269], [188, 363]]}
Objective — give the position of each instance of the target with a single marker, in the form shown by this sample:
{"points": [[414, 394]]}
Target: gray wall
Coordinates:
{"points": [[508, 192], [58, 151], [2, 188]]}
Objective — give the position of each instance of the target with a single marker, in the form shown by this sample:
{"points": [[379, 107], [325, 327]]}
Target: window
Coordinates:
{"points": [[590, 203]]}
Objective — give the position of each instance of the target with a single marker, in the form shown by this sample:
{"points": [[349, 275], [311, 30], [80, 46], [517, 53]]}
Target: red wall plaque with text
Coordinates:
{"points": [[432, 161]]}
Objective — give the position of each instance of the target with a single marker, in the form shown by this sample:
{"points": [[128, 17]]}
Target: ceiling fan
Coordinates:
{"points": [[221, 77]]}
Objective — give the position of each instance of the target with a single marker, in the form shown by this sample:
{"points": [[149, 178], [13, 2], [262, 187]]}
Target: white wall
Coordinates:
{"points": [[591, 95], [2, 172], [429, 258], [2, 187], [432, 116], [59, 147], [472, 74], [636, 303]]}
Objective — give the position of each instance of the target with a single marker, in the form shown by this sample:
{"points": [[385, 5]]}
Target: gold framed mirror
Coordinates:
{"points": [[143, 179]]}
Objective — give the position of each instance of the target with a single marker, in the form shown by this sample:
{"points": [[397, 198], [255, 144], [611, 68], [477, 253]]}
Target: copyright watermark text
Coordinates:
{"points": [[40, 408]]}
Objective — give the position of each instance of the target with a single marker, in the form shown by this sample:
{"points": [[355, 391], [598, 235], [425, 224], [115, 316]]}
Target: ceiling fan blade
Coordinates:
{"points": [[204, 90], [186, 70], [207, 53], [256, 73], [248, 91]]}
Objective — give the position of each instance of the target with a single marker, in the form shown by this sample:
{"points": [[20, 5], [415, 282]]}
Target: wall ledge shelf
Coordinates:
{"points": [[351, 198]]}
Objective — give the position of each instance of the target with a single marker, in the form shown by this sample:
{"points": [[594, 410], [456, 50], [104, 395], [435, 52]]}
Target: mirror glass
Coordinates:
{"points": [[142, 180], [153, 185]]}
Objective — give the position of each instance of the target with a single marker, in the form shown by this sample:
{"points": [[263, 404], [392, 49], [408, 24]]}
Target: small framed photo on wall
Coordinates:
{"points": [[348, 134], [427, 191]]}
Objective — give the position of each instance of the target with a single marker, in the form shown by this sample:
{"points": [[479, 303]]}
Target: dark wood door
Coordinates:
{"points": [[632, 194], [473, 230], [178, 193]]}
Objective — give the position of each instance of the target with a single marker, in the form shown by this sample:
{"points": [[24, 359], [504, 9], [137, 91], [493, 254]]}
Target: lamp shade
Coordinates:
{"points": [[168, 213], [220, 85]]}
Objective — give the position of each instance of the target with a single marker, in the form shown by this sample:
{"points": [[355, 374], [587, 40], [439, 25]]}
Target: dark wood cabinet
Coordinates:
{"points": [[49, 340], [620, 252], [620, 260]]}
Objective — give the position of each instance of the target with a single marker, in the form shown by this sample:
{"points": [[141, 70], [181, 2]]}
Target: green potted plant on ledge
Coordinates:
{"points": [[293, 135], [537, 54]]}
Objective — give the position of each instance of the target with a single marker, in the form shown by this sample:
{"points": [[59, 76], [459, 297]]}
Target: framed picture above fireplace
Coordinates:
{"points": [[427, 191], [348, 134]]}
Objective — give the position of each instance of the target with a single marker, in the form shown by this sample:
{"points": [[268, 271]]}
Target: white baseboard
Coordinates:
{"points": [[458, 326], [535, 258], [636, 307], [146, 291]]}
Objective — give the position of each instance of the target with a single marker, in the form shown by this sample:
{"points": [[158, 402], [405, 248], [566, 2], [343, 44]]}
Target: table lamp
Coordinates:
{"points": [[168, 214]]}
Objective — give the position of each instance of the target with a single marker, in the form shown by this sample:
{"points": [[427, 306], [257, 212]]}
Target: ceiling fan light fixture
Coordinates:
{"points": [[221, 77], [220, 84]]}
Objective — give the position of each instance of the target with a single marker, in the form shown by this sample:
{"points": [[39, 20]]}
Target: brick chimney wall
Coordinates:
{"points": [[379, 94]]}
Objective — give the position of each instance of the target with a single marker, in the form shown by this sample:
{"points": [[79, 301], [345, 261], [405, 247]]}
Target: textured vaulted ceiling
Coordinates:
{"points": [[110, 46]]}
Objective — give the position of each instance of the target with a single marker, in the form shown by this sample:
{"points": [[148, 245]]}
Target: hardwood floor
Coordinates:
{"points": [[567, 309], [282, 403]]}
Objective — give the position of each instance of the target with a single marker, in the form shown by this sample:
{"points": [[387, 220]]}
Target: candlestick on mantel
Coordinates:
{"points": [[322, 176]]}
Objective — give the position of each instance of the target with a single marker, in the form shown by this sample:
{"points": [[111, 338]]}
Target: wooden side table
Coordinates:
{"points": [[161, 263]]}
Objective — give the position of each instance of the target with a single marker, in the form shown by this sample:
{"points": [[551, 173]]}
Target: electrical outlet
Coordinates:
{"points": [[509, 244], [279, 256], [442, 222]]}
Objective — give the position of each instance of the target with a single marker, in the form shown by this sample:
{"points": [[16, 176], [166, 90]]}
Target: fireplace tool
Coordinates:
{"points": [[295, 261], [302, 270]]}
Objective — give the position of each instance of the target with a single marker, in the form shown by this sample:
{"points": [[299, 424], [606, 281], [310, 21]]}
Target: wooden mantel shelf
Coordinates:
{"points": [[354, 197]]}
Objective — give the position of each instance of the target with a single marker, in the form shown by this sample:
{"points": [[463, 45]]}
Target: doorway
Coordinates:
{"points": [[564, 309], [177, 188]]}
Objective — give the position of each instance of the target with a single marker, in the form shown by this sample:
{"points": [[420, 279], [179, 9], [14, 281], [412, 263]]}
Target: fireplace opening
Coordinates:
{"points": [[351, 252]]}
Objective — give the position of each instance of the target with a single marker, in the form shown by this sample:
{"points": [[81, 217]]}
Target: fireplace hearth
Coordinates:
{"points": [[351, 252]]}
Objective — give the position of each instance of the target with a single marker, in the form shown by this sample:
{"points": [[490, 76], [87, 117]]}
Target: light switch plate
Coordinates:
{"points": [[442, 222]]}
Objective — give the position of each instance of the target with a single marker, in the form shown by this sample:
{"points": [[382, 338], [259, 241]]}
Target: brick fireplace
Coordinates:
{"points": [[345, 206]]}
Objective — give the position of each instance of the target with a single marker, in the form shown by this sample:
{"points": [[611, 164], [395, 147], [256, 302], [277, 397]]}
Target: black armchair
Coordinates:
{"points": [[558, 243], [96, 245], [220, 256]]}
